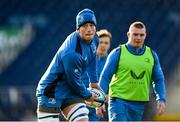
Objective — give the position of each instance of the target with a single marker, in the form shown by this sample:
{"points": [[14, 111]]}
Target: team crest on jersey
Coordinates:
{"points": [[114, 116], [76, 70], [93, 47], [52, 100], [85, 58], [147, 60]]}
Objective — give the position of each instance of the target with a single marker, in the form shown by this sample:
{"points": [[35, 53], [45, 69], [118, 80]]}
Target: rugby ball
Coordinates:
{"points": [[99, 101]]}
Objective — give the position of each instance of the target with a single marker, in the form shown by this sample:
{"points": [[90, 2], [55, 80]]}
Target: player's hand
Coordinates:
{"points": [[100, 111], [107, 98], [91, 99], [95, 85], [160, 107]]}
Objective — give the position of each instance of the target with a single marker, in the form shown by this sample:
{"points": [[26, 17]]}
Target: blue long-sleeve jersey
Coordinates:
{"points": [[100, 64], [112, 64], [63, 78]]}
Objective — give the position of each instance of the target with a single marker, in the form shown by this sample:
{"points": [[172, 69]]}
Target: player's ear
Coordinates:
{"points": [[128, 33], [145, 35]]}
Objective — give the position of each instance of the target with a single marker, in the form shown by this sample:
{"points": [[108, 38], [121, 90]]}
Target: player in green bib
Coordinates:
{"points": [[128, 74]]}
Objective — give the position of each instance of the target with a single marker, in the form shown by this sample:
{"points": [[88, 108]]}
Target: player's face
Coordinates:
{"points": [[104, 45], [136, 37], [87, 32]]}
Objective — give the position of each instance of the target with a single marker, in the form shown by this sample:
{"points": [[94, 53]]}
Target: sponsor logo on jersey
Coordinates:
{"points": [[137, 77]]}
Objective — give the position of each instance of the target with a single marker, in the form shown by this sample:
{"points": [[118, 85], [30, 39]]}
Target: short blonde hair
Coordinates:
{"points": [[104, 32], [137, 24]]}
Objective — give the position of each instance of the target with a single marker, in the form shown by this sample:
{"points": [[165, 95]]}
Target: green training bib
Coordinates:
{"points": [[133, 76]]}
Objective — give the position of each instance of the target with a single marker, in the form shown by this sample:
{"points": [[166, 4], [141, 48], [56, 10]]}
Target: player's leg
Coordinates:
{"points": [[92, 114], [105, 114], [135, 112], [117, 110], [48, 109], [75, 110]]}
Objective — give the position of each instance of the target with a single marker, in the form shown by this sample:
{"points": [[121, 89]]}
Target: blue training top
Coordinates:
{"points": [[100, 64], [63, 78], [112, 64]]}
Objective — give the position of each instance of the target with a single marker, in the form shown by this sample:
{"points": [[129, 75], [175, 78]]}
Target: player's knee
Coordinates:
{"points": [[78, 112], [47, 117]]}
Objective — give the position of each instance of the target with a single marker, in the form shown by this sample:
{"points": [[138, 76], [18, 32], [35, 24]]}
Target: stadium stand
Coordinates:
{"points": [[53, 20]]}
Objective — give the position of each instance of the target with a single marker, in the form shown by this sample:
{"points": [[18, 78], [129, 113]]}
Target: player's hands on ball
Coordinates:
{"points": [[95, 85], [91, 99], [97, 99]]}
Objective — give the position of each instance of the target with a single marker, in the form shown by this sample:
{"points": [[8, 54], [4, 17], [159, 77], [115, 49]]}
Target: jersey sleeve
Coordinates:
{"points": [[72, 63], [158, 79], [109, 69], [92, 71]]}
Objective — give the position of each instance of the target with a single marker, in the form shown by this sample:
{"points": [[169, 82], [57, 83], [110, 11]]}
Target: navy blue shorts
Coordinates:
{"points": [[53, 105], [122, 110]]}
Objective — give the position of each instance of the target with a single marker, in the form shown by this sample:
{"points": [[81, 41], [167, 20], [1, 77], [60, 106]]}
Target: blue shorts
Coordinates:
{"points": [[122, 110], [52, 105]]}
